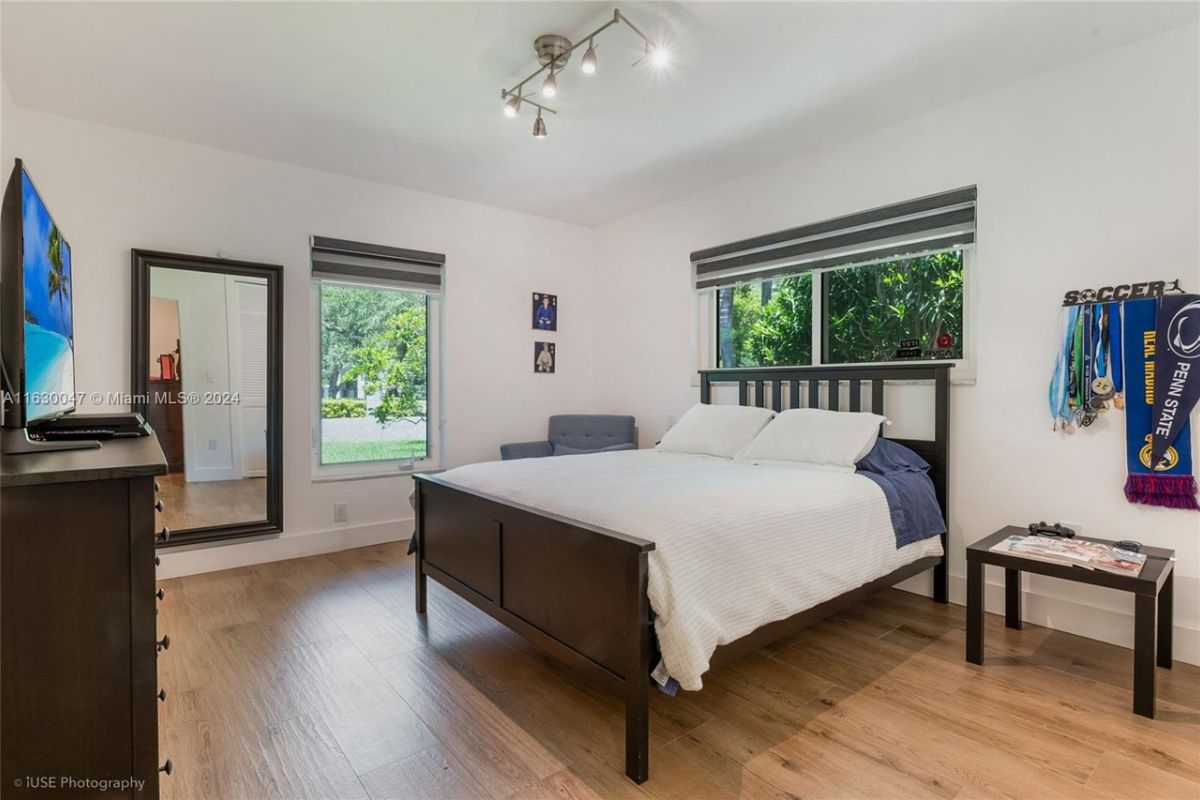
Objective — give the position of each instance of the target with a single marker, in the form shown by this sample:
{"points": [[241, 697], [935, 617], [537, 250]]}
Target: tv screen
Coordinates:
{"points": [[49, 327]]}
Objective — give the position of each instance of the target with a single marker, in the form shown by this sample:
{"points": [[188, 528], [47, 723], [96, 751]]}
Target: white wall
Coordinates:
{"points": [[1087, 176], [112, 190]]}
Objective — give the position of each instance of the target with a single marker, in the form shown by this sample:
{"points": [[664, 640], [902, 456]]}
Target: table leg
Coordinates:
{"points": [[1012, 598], [1143, 654], [1166, 622], [975, 612]]}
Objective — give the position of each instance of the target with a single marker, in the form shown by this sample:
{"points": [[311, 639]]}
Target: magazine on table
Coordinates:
{"points": [[1076, 552]]}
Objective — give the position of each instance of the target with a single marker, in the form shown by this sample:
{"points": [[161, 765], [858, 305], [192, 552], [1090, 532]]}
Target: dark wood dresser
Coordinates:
{"points": [[78, 643]]}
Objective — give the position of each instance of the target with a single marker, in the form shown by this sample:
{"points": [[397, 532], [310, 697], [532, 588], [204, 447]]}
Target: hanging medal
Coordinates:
{"points": [[1089, 367], [1116, 356], [1076, 370], [1102, 385], [1059, 396]]}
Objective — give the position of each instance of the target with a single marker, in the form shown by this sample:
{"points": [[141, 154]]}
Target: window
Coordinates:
{"points": [[884, 285], [376, 335], [374, 379], [898, 310], [765, 324], [909, 309]]}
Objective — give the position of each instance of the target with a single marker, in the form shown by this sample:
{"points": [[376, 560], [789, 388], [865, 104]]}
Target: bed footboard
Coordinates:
{"points": [[575, 591]]}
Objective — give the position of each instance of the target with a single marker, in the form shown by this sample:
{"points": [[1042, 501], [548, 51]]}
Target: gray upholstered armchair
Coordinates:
{"points": [[575, 434]]}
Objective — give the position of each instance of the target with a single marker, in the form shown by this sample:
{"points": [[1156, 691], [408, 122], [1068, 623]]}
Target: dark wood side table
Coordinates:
{"points": [[1153, 590]]}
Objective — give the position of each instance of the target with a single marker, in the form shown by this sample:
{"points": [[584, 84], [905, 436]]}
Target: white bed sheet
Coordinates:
{"points": [[737, 545]]}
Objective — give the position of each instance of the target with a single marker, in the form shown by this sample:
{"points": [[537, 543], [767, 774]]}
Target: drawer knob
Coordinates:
{"points": [[158, 505], [157, 488], [164, 534], [160, 594], [166, 767], [157, 561], [163, 644], [162, 695]]}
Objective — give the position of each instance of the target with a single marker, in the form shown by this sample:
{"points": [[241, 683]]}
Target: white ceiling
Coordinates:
{"points": [[408, 93]]}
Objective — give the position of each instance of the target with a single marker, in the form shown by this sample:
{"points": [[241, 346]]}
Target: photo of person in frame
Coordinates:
{"points": [[545, 311], [543, 357]]}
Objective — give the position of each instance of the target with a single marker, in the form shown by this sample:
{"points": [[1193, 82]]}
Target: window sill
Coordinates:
{"points": [[388, 470]]}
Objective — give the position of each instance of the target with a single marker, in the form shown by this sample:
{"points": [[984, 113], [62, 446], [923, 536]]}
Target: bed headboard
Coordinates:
{"points": [[768, 387]]}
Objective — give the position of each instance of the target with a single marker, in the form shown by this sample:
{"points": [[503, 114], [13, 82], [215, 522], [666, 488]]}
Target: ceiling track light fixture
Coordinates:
{"points": [[553, 52]]}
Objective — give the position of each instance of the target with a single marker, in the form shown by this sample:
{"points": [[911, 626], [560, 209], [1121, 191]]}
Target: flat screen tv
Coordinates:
{"points": [[38, 336]]}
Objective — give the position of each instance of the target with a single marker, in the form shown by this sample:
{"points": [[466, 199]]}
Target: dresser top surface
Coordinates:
{"points": [[117, 458]]}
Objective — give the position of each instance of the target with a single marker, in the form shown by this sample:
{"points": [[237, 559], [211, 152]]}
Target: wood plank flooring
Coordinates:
{"points": [[313, 678]]}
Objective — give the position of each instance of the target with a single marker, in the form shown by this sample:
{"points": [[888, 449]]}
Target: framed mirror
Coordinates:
{"points": [[207, 375]]}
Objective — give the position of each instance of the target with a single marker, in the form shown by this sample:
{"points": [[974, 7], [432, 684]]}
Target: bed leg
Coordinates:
{"points": [[637, 730], [941, 575], [421, 580], [637, 677], [418, 560]]}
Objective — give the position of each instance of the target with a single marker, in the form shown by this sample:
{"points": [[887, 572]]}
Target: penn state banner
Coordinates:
{"points": [[1166, 480], [1176, 370]]}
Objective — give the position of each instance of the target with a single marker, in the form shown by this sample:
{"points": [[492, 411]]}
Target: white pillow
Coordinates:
{"points": [[834, 440], [712, 430]]}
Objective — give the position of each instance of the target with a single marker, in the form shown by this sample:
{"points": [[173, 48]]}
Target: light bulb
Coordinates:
{"points": [[588, 66], [550, 87], [659, 57], [513, 106], [539, 127]]}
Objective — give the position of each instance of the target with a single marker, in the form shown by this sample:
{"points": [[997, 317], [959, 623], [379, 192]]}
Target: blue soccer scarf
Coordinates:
{"points": [[1171, 482]]}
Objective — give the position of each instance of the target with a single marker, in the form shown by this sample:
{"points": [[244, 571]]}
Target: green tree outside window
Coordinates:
{"points": [[909, 309]]}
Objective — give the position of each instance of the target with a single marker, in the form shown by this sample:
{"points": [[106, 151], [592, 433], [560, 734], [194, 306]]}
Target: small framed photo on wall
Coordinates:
{"points": [[543, 357], [545, 311]]}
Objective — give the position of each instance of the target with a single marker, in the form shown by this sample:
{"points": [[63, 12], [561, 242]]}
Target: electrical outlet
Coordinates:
{"points": [[341, 512], [1075, 526], [212, 444]]}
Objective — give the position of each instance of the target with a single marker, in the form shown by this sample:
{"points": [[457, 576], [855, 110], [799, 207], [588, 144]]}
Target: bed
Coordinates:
{"points": [[560, 550]]}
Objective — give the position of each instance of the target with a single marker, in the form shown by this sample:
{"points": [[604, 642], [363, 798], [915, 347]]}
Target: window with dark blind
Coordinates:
{"points": [[376, 313], [877, 286]]}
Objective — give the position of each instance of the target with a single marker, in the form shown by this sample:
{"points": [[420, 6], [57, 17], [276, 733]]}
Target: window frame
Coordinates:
{"points": [[434, 404], [707, 337]]}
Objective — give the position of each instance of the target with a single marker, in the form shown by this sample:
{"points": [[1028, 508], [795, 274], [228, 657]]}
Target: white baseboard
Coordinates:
{"points": [[210, 557], [1106, 617]]}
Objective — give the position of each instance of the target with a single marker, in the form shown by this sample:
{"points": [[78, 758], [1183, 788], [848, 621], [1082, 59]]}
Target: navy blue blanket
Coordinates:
{"points": [[903, 477], [913, 504]]}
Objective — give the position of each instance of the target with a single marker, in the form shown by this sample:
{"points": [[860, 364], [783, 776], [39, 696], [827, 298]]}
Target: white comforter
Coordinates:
{"points": [[738, 545]]}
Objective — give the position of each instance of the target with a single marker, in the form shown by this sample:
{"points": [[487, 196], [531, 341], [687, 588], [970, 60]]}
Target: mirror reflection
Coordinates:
{"points": [[207, 395]]}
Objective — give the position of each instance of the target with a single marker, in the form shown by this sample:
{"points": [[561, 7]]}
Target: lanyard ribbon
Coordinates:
{"points": [[1113, 315], [1061, 383], [1101, 326]]}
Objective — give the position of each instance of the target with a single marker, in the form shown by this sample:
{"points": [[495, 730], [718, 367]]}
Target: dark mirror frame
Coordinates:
{"points": [[142, 261]]}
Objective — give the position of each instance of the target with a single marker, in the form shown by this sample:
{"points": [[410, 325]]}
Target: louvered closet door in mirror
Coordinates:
{"points": [[206, 375]]}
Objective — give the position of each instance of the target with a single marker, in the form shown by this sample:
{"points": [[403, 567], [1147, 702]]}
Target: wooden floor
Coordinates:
{"points": [[314, 678]]}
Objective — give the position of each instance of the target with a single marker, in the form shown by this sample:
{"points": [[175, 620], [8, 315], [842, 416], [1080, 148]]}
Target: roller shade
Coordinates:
{"points": [[901, 230], [358, 262]]}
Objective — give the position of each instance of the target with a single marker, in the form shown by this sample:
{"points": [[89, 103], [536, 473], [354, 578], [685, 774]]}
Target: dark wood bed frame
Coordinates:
{"points": [[578, 592]]}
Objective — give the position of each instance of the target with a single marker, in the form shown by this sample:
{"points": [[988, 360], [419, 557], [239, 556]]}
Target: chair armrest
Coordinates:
{"points": [[510, 452]]}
